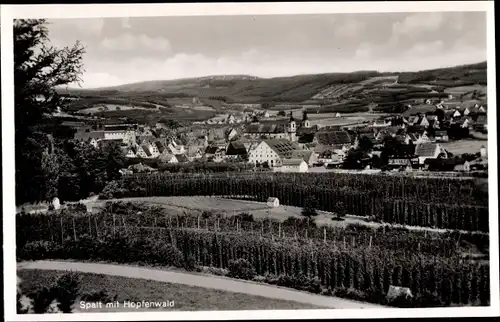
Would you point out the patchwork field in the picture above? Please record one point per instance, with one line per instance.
(186, 298)
(111, 107)
(464, 146)
(482, 89)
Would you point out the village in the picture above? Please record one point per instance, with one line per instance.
(284, 143)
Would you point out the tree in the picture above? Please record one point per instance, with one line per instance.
(281, 113)
(365, 144)
(38, 69)
(310, 206)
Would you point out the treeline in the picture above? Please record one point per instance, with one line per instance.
(461, 75)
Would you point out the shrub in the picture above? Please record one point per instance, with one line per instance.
(66, 291)
(310, 206)
(77, 207)
(244, 216)
(98, 296)
(37, 250)
(190, 263)
(241, 268)
(42, 299)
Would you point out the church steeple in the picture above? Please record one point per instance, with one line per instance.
(304, 116)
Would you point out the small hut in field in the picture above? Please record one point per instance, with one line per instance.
(273, 202)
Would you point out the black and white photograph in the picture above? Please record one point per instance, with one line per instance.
(267, 160)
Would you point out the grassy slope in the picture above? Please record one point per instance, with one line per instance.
(294, 89)
(186, 298)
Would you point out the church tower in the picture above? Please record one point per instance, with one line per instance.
(305, 120)
(292, 128)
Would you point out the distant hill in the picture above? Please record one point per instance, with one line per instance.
(357, 89)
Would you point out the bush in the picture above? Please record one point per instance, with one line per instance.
(241, 268)
(98, 296)
(244, 216)
(38, 250)
(77, 207)
(66, 291)
(190, 263)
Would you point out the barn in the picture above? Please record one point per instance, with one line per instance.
(273, 202)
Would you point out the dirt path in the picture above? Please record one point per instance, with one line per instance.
(205, 281)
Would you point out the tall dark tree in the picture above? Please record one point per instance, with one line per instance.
(38, 69)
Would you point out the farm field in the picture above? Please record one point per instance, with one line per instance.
(464, 146)
(112, 107)
(482, 89)
(178, 206)
(185, 297)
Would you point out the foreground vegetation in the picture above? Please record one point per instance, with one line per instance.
(432, 266)
(447, 203)
(106, 289)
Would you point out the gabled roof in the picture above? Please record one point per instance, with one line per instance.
(334, 138)
(211, 149)
(182, 158)
(266, 128)
(426, 149)
(481, 119)
(282, 147)
(302, 154)
(146, 150)
(292, 162)
(236, 148)
(85, 136)
(160, 146)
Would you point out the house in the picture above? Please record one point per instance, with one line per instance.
(481, 123)
(236, 149)
(231, 134)
(193, 153)
(483, 152)
(341, 140)
(464, 111)
(182, 158)
(168, 158)
(465, 167)
(275, 129)
(308, 156)
(176, 147)
(130, 153)
(441, 136)
(419, 137)
(337, 115)
(396, 162)
(272, 152)
(426, 151)
(292, 165)
(230, 119)
(329, 157)
(147, 151)
(90, 137)
(139, 152)
(464, 122)
(273, 202)
(380, 123)
(456, 113)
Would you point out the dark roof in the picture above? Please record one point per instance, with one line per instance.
(282, 147)
(160, 146)
(236, 148)
(307, 130)
(481, 119)
(441, 133)
(85, 136)
(334, 138)
(146, 150)
(211, 149)
(266, 128)
(117, 127)
(425, 149)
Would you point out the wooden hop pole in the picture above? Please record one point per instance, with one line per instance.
(96, 230)
(74, 229)
(324, 235)
(62, 230)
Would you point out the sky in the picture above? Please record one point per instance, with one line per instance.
(127, 50)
